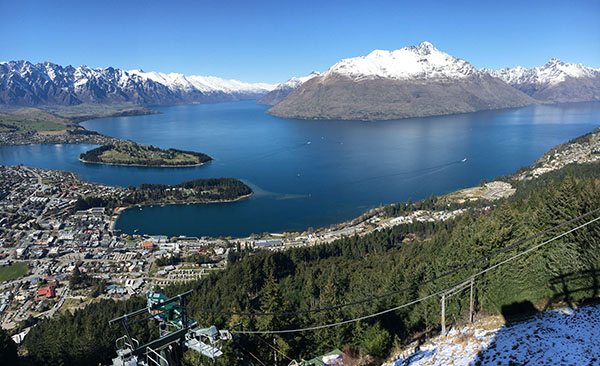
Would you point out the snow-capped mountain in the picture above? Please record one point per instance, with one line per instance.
(409, 63)
(555, 81)
(284, 89)
(206, 84)
(552, 73)
(412, 81)
(24, 83)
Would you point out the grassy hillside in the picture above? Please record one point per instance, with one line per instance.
(31, 119)
(57, 124)
(87, 111)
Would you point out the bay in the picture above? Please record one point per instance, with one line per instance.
(313, 173)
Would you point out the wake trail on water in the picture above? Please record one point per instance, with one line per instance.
(262, 193)
(411, 174)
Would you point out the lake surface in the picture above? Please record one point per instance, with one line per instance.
(313, 173)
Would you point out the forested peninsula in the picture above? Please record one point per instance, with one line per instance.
(196, 191)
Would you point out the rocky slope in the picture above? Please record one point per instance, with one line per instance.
(24, 83)
(556, 81)
(410, 82)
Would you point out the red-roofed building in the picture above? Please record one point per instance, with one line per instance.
(148, 245)
(47, 291)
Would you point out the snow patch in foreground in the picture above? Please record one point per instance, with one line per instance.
(560, 337)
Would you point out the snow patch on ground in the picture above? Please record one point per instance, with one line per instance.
(560, 337)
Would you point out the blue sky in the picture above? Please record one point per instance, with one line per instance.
(272, 40)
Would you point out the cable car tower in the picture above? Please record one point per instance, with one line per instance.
(176, 333)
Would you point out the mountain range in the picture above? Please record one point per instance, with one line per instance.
(413, 81)
(24, 83)
(421, 81)
(556, 81)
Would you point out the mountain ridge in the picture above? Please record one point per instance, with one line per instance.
(284, 89)
(28, 84)
(555, 81)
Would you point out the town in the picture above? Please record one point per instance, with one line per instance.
(58, 257)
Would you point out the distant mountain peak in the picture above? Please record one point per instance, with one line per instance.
(284, 89)
(554, 61)
(426, 47)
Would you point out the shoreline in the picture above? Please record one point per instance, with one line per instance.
(492, 196)
(142, 205)
(144, 166)
(401, 118)
(119, 210)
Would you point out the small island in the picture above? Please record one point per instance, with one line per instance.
(209, 190)
(131, 154)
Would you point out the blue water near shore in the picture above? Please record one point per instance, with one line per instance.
(313, 173)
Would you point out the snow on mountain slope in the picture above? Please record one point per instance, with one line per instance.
(296, 81)
(205, 84)
(24, 83)
(415, 62)
(556, 81)
(552, 73)
(561, 337)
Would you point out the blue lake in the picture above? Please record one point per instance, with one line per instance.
(314, 173)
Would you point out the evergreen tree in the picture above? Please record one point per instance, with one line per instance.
(8, 349)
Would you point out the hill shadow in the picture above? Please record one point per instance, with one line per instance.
(531, 335)
(518, 311)
(558, 337)
(551, 337)
(575, 287)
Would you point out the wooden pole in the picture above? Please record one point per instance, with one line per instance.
(275, 350)
(471, 304)
(443, 314)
